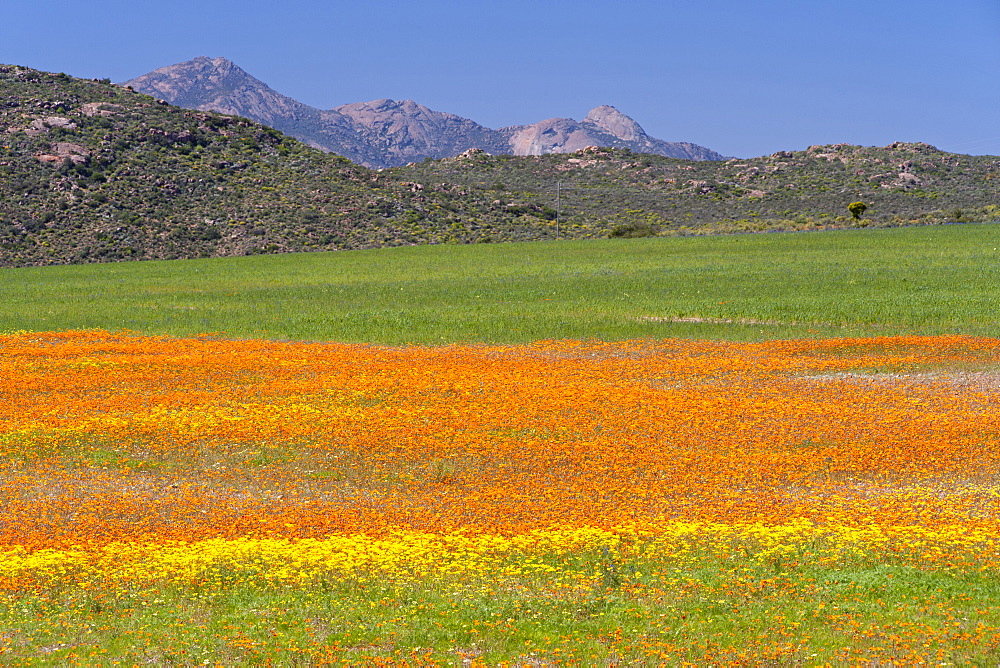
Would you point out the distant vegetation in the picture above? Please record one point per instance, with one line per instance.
(930, 280)
(91, 172)
(618, 193)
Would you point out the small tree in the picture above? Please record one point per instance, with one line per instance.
(856, 209)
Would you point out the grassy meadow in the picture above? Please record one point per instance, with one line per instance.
(775, 449)
(744, 287)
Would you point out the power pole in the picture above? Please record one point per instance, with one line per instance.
(558, 206)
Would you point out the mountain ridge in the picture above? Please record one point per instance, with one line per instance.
(391, 133)
(92, 172)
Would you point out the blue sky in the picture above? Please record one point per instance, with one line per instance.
(743, 78)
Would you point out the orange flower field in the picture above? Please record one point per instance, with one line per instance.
(131, 460)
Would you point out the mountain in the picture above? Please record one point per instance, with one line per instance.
(396, 133)
(387, 133)
(604, 126)
(92, 172)
(216, 84)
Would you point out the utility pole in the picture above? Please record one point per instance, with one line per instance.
(558, 206)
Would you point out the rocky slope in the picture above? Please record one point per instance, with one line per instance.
(621, 193)
(385, 133)
(604, 126)
(398, 132)
(91, 172)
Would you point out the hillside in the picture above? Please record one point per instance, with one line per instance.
(387, 133)
(631, 194)
(91, 172)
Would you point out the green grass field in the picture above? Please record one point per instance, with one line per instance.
(752, 605)
(854, 282)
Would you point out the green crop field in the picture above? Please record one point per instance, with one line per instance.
(841, 283)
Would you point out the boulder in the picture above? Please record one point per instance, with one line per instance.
(60, 151)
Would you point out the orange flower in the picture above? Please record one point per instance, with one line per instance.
(112, 437)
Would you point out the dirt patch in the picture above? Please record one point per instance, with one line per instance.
(987, 381)
(698, 320)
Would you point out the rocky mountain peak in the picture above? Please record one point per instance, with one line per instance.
(615, 123)
(220, 64)
(200, 78)
(386, 132)
(216, 84)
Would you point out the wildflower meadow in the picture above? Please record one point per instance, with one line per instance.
(203, 501)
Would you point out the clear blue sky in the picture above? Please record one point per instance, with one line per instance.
(743, 78)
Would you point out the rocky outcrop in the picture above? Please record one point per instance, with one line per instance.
(615, 123)
(40, 126)
(555, 135)
(62, 151)
(388, 133)
(99, 109)
(602, 126)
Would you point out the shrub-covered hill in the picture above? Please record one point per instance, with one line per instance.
(93, 172)
(633, 194)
